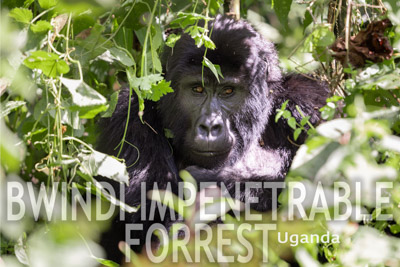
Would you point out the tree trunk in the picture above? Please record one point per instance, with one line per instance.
(232, 8)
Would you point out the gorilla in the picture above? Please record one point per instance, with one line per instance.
(223, 131)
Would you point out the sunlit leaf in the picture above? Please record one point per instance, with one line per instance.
(41, 26)
(172, 39)
(12, 150)
(84, 98)
(122, 56)
(158, 90)
(46, 4)
(112, 105)
(296, 133)
(23, 15)
(282, 9)
(216, 70)
(97, 163)
(49, 63)
(292, 123)
(9, 106)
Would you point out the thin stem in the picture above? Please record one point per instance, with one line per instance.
(67, 49)
(195, 6)
(52, 48)
(127, 121)
(205, 51)
(303, 116)
(347, 29)
(41, 14)
(67, 138)
(143, 66)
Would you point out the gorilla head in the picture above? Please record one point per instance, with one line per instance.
(215, 122)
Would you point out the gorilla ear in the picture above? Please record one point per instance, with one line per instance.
(273, 71)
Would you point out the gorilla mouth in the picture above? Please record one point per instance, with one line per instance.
(210, 153)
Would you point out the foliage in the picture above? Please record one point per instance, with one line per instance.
(62, 63)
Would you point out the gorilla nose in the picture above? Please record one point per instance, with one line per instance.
(210, 128)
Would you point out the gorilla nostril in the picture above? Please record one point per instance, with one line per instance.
(216, 130)
(210, 127)
(203, 130)
(209, 130)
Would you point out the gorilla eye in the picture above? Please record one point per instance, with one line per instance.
(198, 89)
(228, 91)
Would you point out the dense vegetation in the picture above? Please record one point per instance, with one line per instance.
(63, 62)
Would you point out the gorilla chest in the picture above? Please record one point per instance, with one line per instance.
(261, 163)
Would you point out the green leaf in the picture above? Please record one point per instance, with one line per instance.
(154, 61)
(282, 9)
(168, 133)
(388, 81)
(135, 85)
(334, 129)
(157, 37)
(98, 188)
(311, 131)
(9, 106)
(97, 163)
(122, 56)
(23, 15)
(287, 114)
(85, 99)
(12, 150)
(158, 90)
(328, 111)
(146, 82)
(304, 120)
(49, 63)
(46, 4)
(319, 40)
(283, 107)
(208, 42)
(187, 178)
(292, 123)
(27, 3)
(172, 39)
(296, 133)
(112, 105)
(41, 26)
(108, 263)
(216, 69)
(334, 98)
(307, 20)
(90, 112)
(185, 19)
(394, 228)
(278, 115)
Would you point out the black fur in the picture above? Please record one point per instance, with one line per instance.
(243, 53)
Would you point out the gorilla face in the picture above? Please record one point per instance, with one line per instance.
(210, 138)
(213, 121)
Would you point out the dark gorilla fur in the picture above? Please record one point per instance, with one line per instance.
(261, 150)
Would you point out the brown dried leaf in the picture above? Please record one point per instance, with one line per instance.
(84, 34)
(59, 22)
(369, 44)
